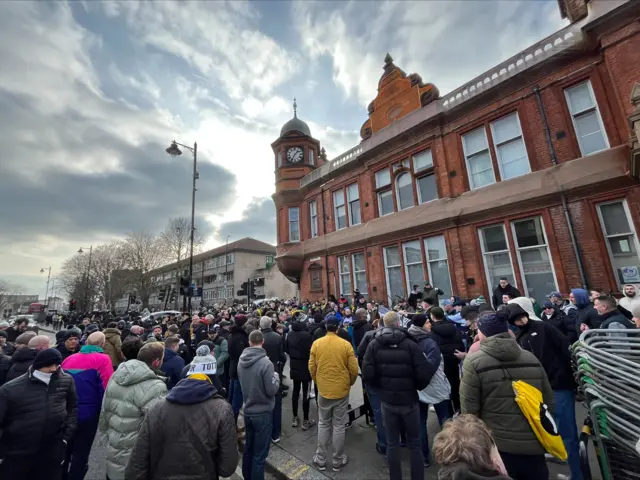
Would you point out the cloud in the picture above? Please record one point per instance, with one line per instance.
(446, 42)
(258, 221)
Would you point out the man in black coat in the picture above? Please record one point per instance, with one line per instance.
(298, 346)
(360, 326)
(504, 288)
(238, 340)
(397, 368)
(38, 413)
(274, 346)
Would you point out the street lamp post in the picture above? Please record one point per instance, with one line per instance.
(86, 282)
(174, 151)
(48, 278)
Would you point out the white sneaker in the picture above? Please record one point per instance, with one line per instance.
(312, 394)
(560, 476)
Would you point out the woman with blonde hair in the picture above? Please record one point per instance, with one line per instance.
(465, 450)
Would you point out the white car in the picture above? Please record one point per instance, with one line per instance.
(158, 315)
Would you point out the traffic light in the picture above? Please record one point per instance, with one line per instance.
(185, 283)
(173, 296)
(162, 294)
(243, 290)
(72, 305)
(252, 289)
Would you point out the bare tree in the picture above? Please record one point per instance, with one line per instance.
(176, 244)
(108, 259)
(77, 281)
(7, 290)
(143, 253)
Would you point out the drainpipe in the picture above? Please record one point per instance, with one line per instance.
(563, 198)
(324, 232)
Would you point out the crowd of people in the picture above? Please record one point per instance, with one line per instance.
(167, 392)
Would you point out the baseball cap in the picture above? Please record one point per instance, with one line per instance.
(554, 294)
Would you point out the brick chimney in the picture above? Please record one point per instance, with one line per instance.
(574, 10)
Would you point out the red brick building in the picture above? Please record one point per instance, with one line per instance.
(529, 171)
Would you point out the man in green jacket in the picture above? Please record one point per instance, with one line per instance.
(132, 391)
(486, 391)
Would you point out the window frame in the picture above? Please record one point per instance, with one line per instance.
(424, 172)
(313, 218)
(482, 127)
(496, 145)
(399, 174)
(428, 261)
(485, 253)
(290, 222)
(312, 160)
(525, 290)
(334, 197)
(606, 236)
(354, 283)
(408, 283)
(342, 274)
(350, 203)
(382, 189)
(312, 273)
(386, 268)
(596, 109)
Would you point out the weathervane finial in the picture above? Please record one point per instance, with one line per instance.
(295, 108)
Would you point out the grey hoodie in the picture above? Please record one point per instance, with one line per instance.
(258, 382)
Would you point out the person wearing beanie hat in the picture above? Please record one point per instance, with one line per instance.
(204, 362)
(165, 448)
(552, 348)
(220, 350)
(486, 391)
(39, 414)
(70, 343)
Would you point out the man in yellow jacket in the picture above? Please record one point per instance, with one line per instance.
(334, 368)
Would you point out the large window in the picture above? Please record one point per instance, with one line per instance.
(622, 241)
(497, 258)
(413, 264)
(587, 121)
(425, 176)
(340, 211)
(385, 195)
(230, 258)
(510, 150)
(345, 275)
(359, 273)
(404, 191)
(534, 259)
(294, 224)
(353, 198)
(509, 147)
(393, 274)
(438, 264)
(313, 218)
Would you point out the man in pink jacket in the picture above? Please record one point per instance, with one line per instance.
(91, 370)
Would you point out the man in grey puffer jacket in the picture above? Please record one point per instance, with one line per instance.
(259, 385)
(132, 391)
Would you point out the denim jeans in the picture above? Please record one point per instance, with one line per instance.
(442, 411)
(256, 448)
(396, 416)
(376, 406)
(277, 417)
(235, 396)
(565, 417)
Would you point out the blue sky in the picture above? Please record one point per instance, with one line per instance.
(92, 92)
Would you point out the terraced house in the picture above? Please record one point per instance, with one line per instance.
(529, 171)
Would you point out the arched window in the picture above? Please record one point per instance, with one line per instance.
(404, 191)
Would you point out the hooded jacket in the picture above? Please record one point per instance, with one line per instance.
(527, 306)
(113, 346)
(258, 381)
(627, 302)
(20, 362)
(486, 392)
(586, 313)
(91, 370)
(360, 328)
(172, 366)
(462, 472)
(191, 434)
(396, 366)
(132, 391)
(238, 341)
(498, 292)
(298, 346)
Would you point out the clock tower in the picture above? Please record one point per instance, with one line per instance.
(296, 153)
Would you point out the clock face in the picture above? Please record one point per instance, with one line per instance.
(295, 154)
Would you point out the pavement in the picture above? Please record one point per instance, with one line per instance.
(291, 458)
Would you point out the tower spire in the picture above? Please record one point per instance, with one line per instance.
(295, 108)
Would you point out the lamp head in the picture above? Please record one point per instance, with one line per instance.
(173, 149)
(80, 250)
(42, 270)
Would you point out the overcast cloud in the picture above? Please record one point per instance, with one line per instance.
(91, 93)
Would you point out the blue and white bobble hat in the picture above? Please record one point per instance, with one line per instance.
(203, 362)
